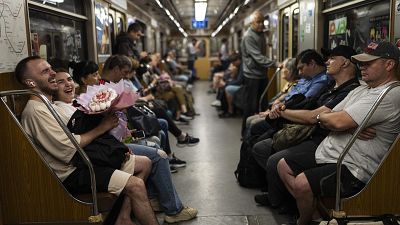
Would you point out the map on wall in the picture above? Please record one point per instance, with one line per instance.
(13, 41)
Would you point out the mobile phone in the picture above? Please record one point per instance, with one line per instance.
(138, 134)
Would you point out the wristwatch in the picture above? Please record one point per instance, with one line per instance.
(318, 117)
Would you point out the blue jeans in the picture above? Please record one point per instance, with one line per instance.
(164, 136)
(159, 184)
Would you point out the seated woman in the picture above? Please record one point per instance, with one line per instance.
(164, 89)
(161, 191)
(139, 78)
(230, 85)
(289, 73)
(86, 73)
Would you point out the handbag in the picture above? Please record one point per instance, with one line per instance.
(291, 134)
(142, 118)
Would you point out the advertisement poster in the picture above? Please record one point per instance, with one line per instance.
(337, 32)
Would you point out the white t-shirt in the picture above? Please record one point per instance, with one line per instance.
(67, 107)
(364, 156)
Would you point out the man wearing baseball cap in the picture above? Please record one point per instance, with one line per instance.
(378, 65)
(344, 74)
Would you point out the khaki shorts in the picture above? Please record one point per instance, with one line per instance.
(120, 177)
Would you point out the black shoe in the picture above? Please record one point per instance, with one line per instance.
(263, 200)
(173, 169)
(226, 115)
(287, 208)
(176, 163)
(188, 140)
(182, 121)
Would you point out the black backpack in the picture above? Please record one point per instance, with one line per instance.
(248, 173)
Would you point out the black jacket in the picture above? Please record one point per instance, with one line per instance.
(104, 150)
(125, 45)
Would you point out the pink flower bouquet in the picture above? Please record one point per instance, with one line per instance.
(106, 97)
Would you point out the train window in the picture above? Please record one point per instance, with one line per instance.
(102, 30)
(57, 37)
(112, 30)
(120, 23)
(202, 52)
(74, 6)
(295, 31)
(358, 26)
(285, 36)
(214, 46)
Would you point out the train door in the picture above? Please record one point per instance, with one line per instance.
(117, 24)
(103, 44)
(289, 29)
(289, 35)
(202, 64)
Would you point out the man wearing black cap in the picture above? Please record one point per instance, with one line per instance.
(378, 69)
(343, 71)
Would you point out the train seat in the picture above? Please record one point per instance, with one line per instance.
(37, 196)
(380, 195)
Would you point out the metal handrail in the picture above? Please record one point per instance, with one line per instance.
(12, 93)
(353, 139)
(267, 87)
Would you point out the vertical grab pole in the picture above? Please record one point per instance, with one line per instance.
(267, 87)
(353, 139)
(96, 216)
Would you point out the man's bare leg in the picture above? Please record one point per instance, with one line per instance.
(301, 191)
(142, 167)
(135, 190)
(124, 216)
(229, 100)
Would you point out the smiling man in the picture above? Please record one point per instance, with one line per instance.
(36, 74)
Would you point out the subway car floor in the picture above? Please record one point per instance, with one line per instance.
(207, 182)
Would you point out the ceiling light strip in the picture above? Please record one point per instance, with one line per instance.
(200, 9)
(172, 18)
(226, 20)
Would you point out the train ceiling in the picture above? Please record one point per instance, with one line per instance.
(183, 12)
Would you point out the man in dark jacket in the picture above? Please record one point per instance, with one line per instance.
(126, 41)
(255, 64)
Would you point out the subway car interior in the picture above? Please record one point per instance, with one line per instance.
(211, 112)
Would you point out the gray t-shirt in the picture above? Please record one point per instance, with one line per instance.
(364, 157)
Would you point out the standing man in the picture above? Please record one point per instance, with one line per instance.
(255, 64)
(126, 42)
(192, 50)
(224, 53)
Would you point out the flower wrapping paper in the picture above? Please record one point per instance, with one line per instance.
(125, 98)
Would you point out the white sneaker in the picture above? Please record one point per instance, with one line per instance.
(216, 103)
(186, 117)
(187, 213)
